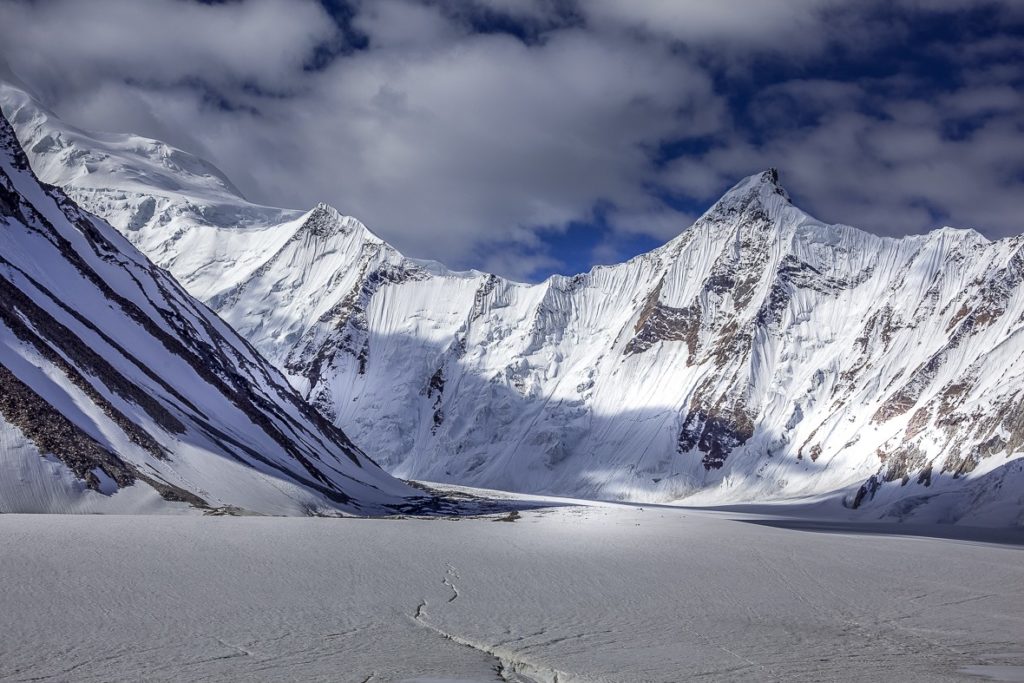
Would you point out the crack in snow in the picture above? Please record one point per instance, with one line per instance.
(448, 582)
(511, 667)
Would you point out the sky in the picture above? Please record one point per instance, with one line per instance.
(528, 137)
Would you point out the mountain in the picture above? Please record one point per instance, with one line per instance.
(119, 392)
(760, 355)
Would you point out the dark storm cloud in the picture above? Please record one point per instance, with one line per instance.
(473, 132)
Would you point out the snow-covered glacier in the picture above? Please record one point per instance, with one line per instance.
(762, 354)
(119, 392)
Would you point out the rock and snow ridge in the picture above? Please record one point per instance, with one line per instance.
(759, 355)
(119, 392)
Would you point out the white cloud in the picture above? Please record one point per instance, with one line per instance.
(68, 44)
(403, 23)
(785, 24)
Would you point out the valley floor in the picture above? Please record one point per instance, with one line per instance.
(581, 592)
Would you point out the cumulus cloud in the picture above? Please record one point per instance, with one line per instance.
(469, 131)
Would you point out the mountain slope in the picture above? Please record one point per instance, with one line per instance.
(759, 355)
(122, 393)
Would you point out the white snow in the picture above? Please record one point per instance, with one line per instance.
(590, 592)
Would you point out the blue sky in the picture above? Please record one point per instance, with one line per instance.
(528, 137)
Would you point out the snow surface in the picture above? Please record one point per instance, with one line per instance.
(585, 592)
(760, 355)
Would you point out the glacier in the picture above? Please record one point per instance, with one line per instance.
(573, 593)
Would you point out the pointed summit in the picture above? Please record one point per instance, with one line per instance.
(325, 221)
(771, 177)
(765, 183)
(760, 191)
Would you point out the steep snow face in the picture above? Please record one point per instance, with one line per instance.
(761, 354)
(120, 392)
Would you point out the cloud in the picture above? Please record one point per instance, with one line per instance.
(488, 137)
(470, 132)
(400, 23)
(69, 45)
(955, 160)
(734, 24)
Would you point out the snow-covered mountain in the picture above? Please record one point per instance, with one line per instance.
(761, 354)
(120, 392)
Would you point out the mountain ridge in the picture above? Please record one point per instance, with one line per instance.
(123, 394)
(760, 354)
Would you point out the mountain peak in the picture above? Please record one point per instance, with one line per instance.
(325, 221)
(760, 191)
(773, 343)
(765, 183)
(770, 178)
